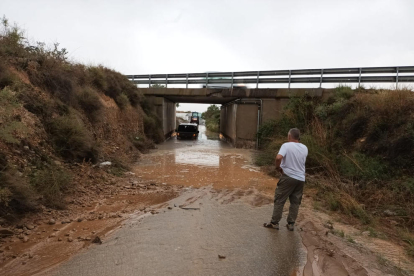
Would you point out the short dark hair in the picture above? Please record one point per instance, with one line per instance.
(294, 133)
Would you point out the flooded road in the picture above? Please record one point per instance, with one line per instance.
(213, 228)
(203, 162)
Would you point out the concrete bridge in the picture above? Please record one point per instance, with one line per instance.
(242, 110)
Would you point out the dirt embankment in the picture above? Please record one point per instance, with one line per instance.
(67, 133)
(95, 208)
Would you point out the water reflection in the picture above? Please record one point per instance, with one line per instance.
(197, 158)
(201, 168)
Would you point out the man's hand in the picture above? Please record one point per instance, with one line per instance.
(280, 170)
(278, 162)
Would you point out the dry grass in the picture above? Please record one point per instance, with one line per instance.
(361, 145)
(90, 102)
(51, 182)
(65, 103)
(71, 139)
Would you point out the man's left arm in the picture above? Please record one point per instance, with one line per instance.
(279, 158)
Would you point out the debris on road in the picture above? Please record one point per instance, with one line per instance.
(221, 256)
(4, 232)
(188, 208)
(97, 240)
(106, 163)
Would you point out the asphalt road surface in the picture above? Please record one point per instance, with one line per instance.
(210, 223)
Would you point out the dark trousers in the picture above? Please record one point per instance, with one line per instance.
(291, 188)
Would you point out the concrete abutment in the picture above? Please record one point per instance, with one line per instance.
(242, 111)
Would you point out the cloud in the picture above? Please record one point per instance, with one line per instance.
(199, 36)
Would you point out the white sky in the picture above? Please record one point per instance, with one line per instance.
(160, 36)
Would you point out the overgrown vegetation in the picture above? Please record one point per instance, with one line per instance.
(212, 118)
(74, 85)
(51, 182)
(67, 99)
(71, 139)
(361, 148)
(142, 143)
(89, 101)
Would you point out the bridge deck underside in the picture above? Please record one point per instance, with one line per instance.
(200, 99)
(222, 96)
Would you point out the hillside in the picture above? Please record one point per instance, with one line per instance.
(361, 156)
(56, 117)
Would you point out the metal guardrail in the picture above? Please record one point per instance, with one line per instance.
(354, 75)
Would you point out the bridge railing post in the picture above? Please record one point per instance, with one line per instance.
(149, 83)
(396, 79)
(290, 73)
(232, 78)
(206, 80)
(257, 79)
(186, 81)
(359, 79)
(320, 83)
(166, 80)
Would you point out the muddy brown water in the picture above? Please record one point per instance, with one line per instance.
(203, 162)
(223, 204)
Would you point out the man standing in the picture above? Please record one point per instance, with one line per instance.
(290, 162)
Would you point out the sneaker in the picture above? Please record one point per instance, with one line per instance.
(271, 225)
(290, 226)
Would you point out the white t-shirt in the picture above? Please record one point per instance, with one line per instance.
(294, 158)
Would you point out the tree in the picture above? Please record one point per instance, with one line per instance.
(212, 117)
(211, 111)
(157, 85)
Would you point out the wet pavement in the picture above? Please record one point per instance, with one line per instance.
(222, 208)
(202, 162)
(189, 242)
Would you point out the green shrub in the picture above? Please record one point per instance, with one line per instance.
(267, 131)
(122, 101)
(267, 156)
(98, 77)
(12, 40)
(16, 196)
(71, 139)
(321, 111)
(343, 92)
(56, 79)
(146, 106)
(212, 118)
(10, 125)
(336, 200)
(113, 84)
(51, 182)
(7, 131)
(5, 196)
(118, 168)
(358, 166)
(339, 233)
(90, 102)
(153, 128)
(6, 77)
(142, 143)
(333, 203)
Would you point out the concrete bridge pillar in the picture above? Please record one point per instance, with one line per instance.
(241, 119)
(165, 110)
(239, 123)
